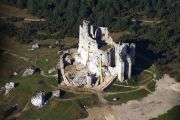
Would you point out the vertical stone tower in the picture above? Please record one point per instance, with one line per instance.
(117, 59)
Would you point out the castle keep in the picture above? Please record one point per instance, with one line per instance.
(98, 59)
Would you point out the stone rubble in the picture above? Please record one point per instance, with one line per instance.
(79, 80)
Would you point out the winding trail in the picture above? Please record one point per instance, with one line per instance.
(147, 21)
(9, 52)
(144, 86)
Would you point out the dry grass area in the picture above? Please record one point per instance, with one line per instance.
(13, 11)
(69, 42)
(117, 35)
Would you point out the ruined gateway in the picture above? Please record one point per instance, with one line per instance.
(98, 59)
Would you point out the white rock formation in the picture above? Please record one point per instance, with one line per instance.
(38, 100)
(9, 86)
(15, 73)
(28, 71)
(34, 46)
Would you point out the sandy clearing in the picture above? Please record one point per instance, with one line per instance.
(165, 97)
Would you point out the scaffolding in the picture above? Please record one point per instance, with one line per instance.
(88, 55)
(100, 68)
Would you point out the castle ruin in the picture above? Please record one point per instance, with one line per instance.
(98, 59)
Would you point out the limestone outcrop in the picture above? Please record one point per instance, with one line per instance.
(38, 100)
(8, 87)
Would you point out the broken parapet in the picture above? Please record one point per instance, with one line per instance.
(38, 100)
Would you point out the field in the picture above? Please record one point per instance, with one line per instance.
(69, 106)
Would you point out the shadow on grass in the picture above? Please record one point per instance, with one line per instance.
(144, 58)
(10, 111)
(47, 96)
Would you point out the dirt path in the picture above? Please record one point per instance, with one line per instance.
(23, 110)
(9, 52)
(163, 99)
(137, 87)
(105, 112)
(34, 19)
(18, 56)
(147, 21)
(14, 11)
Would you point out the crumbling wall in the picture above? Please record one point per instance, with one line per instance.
(132, 53)
(101, 55)
(119, 52)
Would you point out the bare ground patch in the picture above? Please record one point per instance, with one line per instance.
(163, 99)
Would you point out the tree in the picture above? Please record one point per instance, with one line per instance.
(21, 3)
(31, 6)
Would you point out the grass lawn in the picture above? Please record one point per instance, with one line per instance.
(152, 86)
(125, 97)
(173, 114)
(69, 107)
(55, 110)
(140, 79)
(10, 64)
